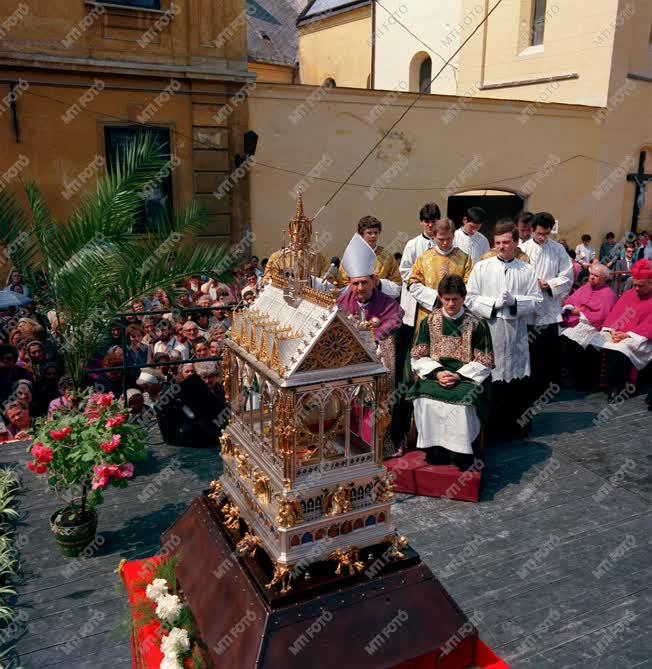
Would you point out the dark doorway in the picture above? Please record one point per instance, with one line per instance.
(498, 205)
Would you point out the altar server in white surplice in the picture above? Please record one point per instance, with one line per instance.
(415, 247)
(468, 238)
(504, 291)
(554, 270)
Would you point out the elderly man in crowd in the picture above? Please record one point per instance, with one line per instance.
(627, 331)
(584, 313)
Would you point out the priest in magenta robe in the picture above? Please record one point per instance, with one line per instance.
(584, 313)
(591, 303)
(627, 331)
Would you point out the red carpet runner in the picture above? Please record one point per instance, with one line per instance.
(146, 639)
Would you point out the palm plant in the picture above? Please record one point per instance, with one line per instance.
(88, 268)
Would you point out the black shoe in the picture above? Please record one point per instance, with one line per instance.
(390, 450)
(462, 461)
(437, 456)
(398, 452)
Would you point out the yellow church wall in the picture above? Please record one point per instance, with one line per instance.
(339, 48)
(398, 50)
(626, 120)
(553, 160)
(574, 59)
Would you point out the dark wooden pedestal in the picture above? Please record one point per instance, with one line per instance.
(392, 612)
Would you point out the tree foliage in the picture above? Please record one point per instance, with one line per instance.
(87, 268)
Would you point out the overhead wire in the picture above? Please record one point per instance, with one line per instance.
(200, 141)
(347, 181)
(407, 110)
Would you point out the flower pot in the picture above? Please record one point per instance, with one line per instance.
(73, 538)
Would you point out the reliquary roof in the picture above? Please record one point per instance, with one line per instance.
(297, 339)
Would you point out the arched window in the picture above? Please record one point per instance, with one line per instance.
(425, 75)
(420, 72)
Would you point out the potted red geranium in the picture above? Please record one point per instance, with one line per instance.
(83, 452)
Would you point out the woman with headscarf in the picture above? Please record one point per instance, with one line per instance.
(23, 391)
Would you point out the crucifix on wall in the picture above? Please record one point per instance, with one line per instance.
(641, 180)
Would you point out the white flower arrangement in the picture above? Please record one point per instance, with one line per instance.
(170, 662)
(177, 641)
(168, 608)
(156, 589)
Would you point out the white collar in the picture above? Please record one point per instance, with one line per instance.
(459, 314)
(505, 262)
(441, 251)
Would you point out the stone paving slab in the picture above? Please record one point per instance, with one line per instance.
(539, 605)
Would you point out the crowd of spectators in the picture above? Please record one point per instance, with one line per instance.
(617, 257)
(138, 358)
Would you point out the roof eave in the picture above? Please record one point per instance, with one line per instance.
(303, 18)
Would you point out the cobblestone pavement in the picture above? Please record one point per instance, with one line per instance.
(553, 564)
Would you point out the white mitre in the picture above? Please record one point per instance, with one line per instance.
(359, 259)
